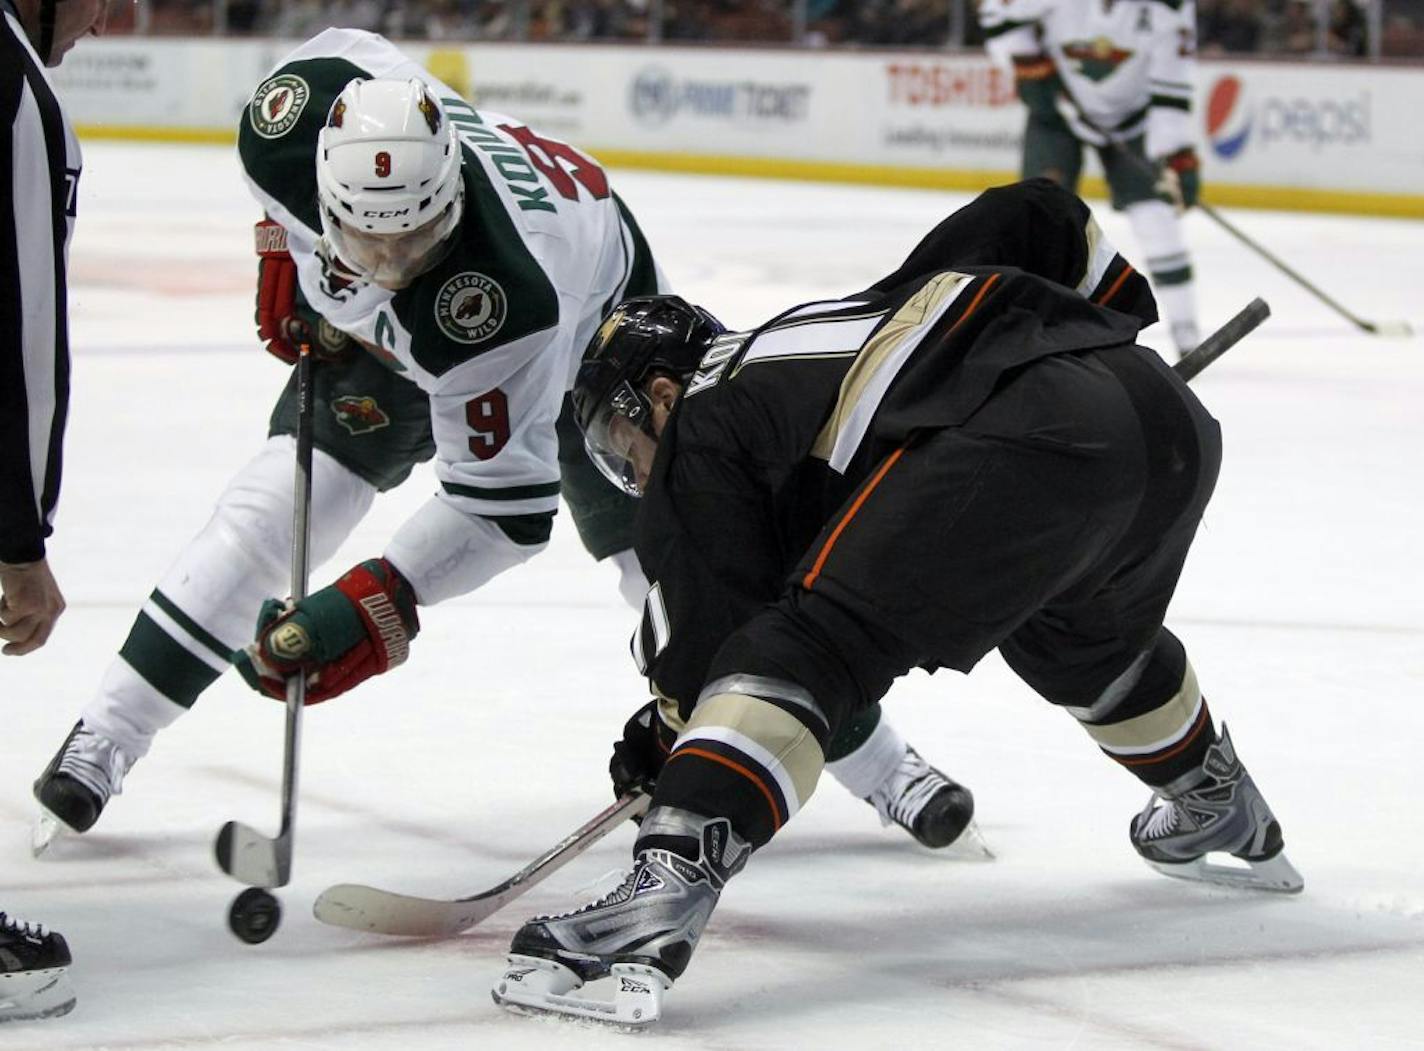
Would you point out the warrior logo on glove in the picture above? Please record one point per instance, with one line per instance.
(337, 637)
(289, 641)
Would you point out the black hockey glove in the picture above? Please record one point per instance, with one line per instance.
(639, 756)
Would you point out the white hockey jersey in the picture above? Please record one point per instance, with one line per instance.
(494, 331)
(1127, 64)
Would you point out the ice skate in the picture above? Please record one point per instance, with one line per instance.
(33, 982)
(932, 807)
(1223, 812)
(74, 788)
(641, 935)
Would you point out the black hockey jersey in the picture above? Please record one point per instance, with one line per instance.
(780, 425)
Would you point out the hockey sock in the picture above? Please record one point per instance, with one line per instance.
(1158, 726)
(865, 769)
(206, 605)
(854, 731)
(1159, 234)
(742, 757)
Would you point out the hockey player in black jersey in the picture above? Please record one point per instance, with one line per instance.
(957, 460)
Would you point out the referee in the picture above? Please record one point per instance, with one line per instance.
(39, 169)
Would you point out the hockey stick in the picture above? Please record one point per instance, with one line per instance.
(242, 852)
(1391, 329)
(364, 908)
(1223, 339)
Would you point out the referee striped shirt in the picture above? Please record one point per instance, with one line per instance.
(39, 180)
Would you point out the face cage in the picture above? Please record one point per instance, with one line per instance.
(393, 261)
(610, 454)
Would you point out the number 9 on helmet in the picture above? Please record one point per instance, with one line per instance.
(388, 176)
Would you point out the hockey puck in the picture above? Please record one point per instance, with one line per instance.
(254, 915)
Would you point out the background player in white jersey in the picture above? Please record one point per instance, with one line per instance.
(448, 264)
(1115, 75)
(40, 170)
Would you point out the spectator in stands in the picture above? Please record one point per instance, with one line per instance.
(1295, 32)
(1228, 26)
(1347, 34)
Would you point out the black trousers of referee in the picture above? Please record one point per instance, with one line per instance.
(1053, 525)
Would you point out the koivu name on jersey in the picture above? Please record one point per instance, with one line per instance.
(724, 348)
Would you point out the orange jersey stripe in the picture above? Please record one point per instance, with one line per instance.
(815, 571)
(739, 768)
(1126, 273)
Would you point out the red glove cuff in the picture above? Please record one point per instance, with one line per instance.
(1184, 160)
(276, 290)
(1033, 67)
(386, 605)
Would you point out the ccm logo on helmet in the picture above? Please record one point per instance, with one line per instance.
(393, 213)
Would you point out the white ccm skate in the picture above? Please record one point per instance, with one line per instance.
(641, 935)
(1219, 810)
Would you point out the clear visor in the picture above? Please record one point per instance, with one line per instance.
(392, 261)
(620, 440)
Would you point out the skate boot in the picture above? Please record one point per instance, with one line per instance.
(932, 807)
(641, 934)
(1219, 811)
(33, 983)
(84, 773)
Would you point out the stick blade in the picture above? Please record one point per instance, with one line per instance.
(252, 858)
(1390, 329)
(361, 908)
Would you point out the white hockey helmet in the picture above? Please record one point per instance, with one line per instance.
(388, 180)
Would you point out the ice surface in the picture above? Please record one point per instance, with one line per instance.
(1303, 608)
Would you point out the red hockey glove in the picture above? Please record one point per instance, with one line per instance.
(338, 637)
(284, 320)
(639, 756)
(1037, 84)
(1179, 178)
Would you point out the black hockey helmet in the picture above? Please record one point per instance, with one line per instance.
(642, 337)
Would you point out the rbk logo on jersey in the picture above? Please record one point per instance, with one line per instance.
(277, 104)
(359, 413)
(1096, 59)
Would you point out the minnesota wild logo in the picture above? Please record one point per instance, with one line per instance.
(359, 413)
(277, 104)
(1097, 59)
(470, 307)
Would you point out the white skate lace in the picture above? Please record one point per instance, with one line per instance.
(618, 894)
(904, 794)
(10, 925)
(95, 762)
(1161, 820)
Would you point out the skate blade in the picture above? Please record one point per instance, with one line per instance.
(1276, 874)
(46, 829)
(534, 986)
(33, 995)
(970, 845)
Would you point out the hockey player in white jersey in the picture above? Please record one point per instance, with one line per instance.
(1115, 75)
(449, 265)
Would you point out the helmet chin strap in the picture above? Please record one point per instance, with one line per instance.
(47, 15)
